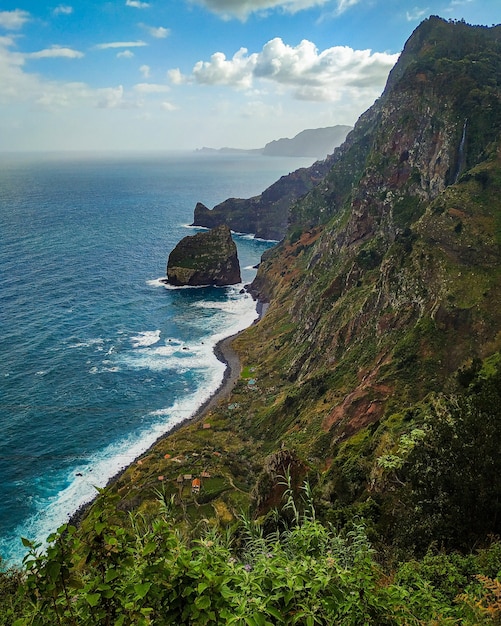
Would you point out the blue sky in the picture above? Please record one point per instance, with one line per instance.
(182, 74)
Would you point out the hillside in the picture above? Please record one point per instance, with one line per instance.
(385, 285)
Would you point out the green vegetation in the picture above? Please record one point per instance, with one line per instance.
(137, 570)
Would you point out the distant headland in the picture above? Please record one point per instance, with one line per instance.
(316, 143)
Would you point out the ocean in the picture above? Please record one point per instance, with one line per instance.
(98, 357)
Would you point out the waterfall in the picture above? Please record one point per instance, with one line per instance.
(461, 155)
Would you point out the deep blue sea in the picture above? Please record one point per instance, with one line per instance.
(98, 358)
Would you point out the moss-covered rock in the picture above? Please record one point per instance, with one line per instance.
(208, 258)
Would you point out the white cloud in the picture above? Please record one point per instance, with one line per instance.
(120, 44)
(416, 14)
(21, 87)
(158, 32)
(176, 77)
(115, 98)
(168, 106)
(237, 71)
(137, 4)
(312, 75)
(56, 52)
(145, 71)
(150, 88)
(125, 54)
(111, 97)
(13, 20)
(241, 9)
(59, 96)
(63, 9)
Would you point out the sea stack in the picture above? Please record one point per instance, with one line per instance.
(207, 258)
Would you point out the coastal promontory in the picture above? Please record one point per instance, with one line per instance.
(207, 258)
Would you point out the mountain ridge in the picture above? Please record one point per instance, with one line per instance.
(311, 142)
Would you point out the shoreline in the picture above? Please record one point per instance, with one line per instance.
(225, 353)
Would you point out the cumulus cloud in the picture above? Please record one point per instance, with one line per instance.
(125, 54)
(120, 44)
(159, 32)
(312, 75)
(237, 71)
(13, 20)
(176, 77)
(63, 9)
(137, 4)
(241, 9)
(56, 52)
(145, 71)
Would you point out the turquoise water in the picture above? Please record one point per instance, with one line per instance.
(98, 357)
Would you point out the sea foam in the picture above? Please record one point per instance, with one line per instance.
(96, 470)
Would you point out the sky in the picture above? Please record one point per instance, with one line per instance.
(141, 75)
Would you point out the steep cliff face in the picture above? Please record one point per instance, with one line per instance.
(208, 258)
(385, 282)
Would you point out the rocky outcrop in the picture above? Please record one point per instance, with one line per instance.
(207, 258)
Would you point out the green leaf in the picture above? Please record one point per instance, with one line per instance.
(110, 540)
(202, 587)
(53, 569)
(275, 613)
(93, 598)
(26, 542)
(141, 589)
(150, 547)
(202, 602)
(110, 575)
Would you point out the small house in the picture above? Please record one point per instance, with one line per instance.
(195, 485)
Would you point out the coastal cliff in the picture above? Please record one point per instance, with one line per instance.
(382, 293)
(207, 258)
(383, 288)
(267, 215)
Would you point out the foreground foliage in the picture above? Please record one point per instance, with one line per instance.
(138, 571)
